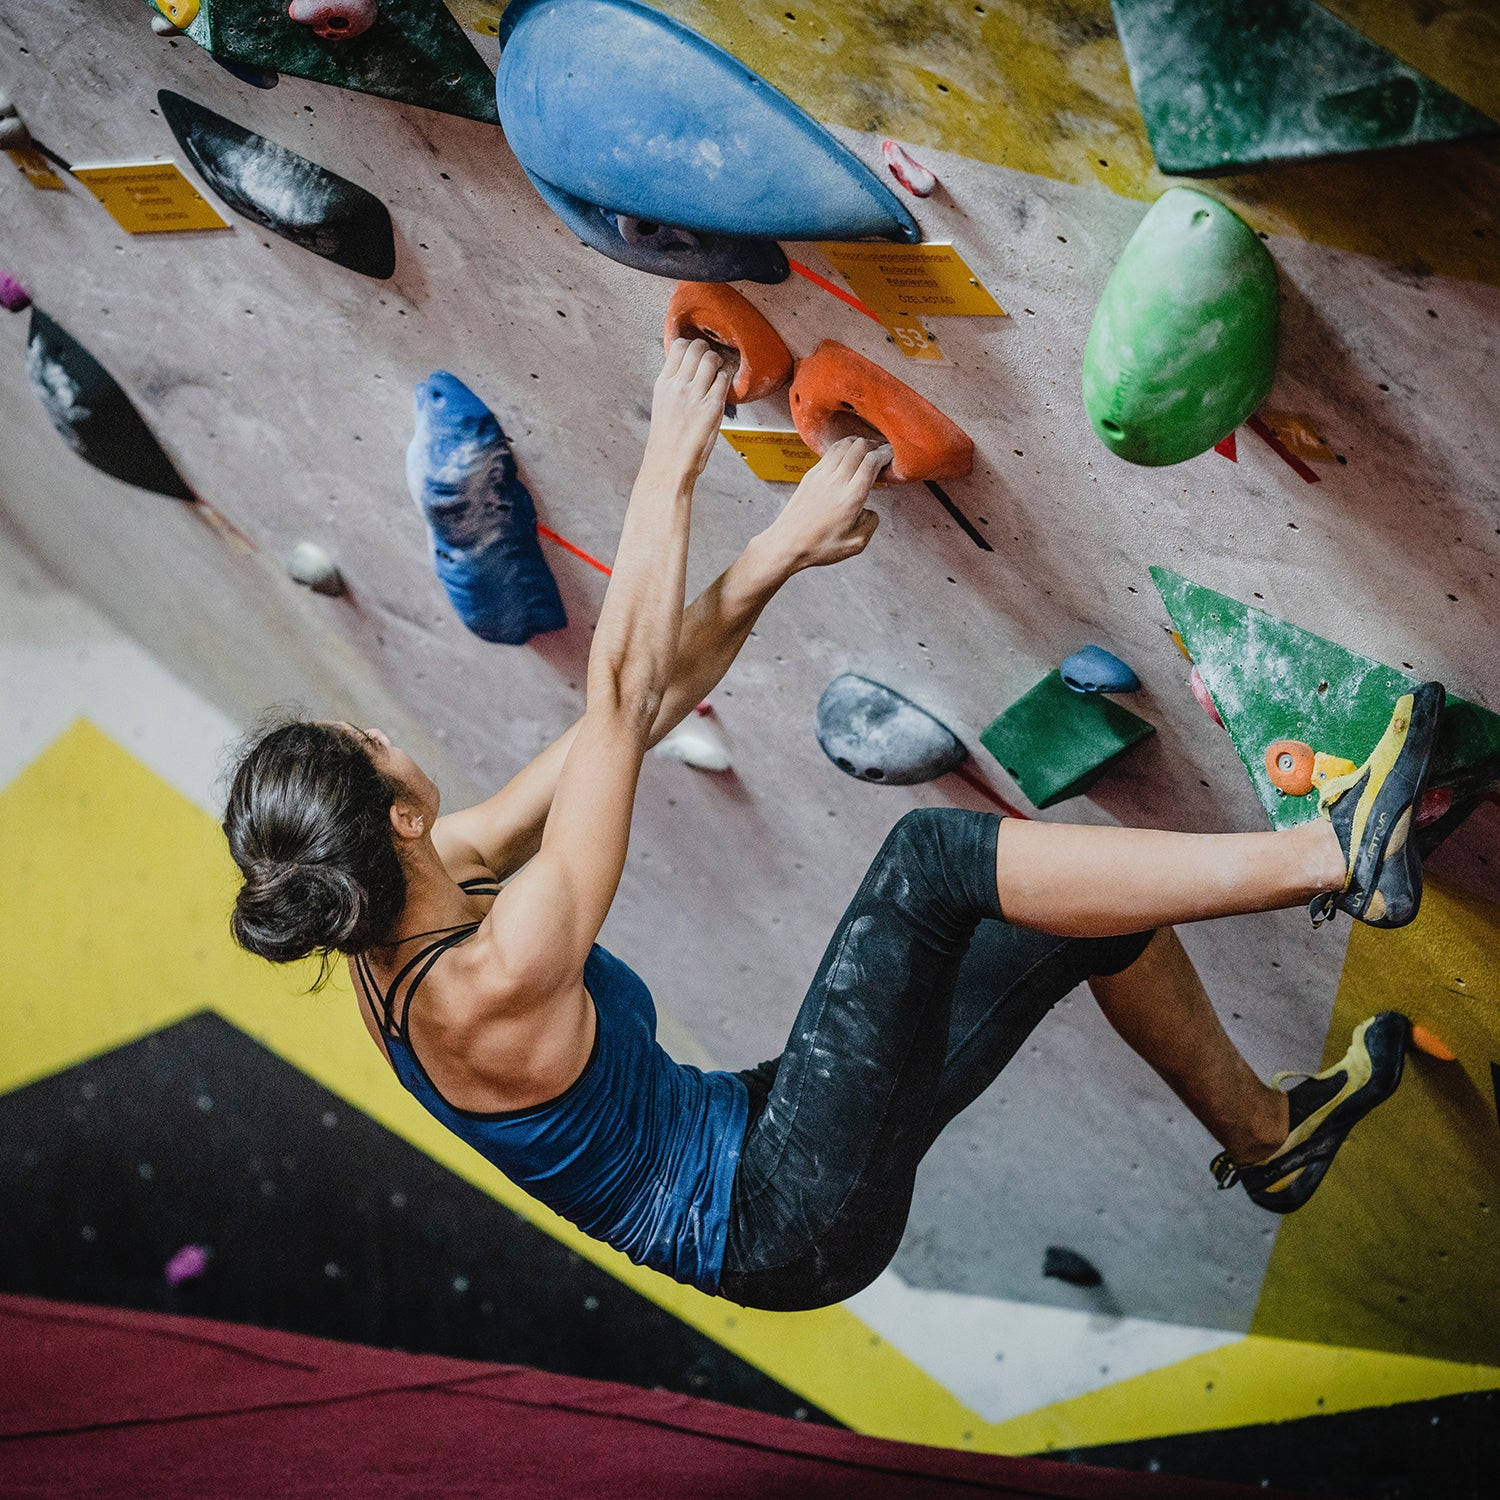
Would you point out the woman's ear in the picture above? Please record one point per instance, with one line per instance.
(407, 819)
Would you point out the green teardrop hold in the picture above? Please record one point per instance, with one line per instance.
(1183, 343)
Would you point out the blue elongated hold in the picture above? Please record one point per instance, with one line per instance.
(871, 732)
(93, 415)
(463, 477)
(663, 249)
(623, 107)
(282, 191)
(1095, 670)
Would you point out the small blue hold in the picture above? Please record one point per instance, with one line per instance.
(1095, 670)
(462, 475)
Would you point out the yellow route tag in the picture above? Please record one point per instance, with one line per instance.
(934, 280)
(482, 16)
(38, 171)
(149, 197)
(779, 457)
(914, 341)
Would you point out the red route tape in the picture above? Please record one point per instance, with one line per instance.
(837, 291)
(568, 546)
(1264, 433)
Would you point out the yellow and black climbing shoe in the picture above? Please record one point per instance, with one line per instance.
(1322, 1110)
(1372, 810)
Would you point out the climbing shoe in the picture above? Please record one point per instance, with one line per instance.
(1372, 810)
(1322, 1110)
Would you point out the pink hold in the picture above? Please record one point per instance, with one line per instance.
(13, 296)
(1204, 697)
(334, 20)
(190, 1261)
(1436, 801)
(907, 170)
(704, 709)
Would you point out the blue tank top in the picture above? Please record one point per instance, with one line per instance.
(639, 1152)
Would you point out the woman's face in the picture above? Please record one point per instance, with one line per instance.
(390, 760)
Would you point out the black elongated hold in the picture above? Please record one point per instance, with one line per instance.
(871, 732)
(282, 191)
(93, 415)
(1067, 1265)
(663, 249)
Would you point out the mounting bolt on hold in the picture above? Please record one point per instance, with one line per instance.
(334, 20)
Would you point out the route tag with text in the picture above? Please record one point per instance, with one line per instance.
(776, 456)
(149, 197)
(932, 280)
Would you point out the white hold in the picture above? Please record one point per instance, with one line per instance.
(311, 566)
(907, 170)
(162, 25)
(697, 741)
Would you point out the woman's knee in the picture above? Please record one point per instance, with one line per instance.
(944, 854)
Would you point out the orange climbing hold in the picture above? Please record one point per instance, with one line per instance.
(714, 311)
(1289, 764)
(837, 393)
(1433, 1045)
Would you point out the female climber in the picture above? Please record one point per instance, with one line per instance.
(471, 937)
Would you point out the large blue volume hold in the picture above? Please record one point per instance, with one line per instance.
(627, 109)
(462, 475)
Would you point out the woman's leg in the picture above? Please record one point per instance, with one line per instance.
(1161, 1010)
(1078, 881)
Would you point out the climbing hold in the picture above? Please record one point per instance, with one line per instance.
(1057, 743)
(697, 741)
(1204, 697)
(13, 296)
(1433, 1045)
(1183, 343)
(334, 20)
(907, 170)
(283, 192)
(162, 26)
(189, 1262)
(14, 136)
(1289, 764)
(1326, 767)
(1437, 802)
(1095, 670)
(92, 414)
(1178, 642)
(628, 110)
(482, 522)
(311, 566)
(413, 50)
(871, 732)
(837, 393)
(1067, 1265)
(1244, 82)
(663, 249)
(1273, 680)
(761, 362)
(180, 14)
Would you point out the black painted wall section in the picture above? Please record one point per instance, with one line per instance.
(318, 1220)
(1447, 1449)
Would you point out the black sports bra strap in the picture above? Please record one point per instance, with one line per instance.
(488, 880)
(431, 953)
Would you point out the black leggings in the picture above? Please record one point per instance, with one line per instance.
(905, 1025)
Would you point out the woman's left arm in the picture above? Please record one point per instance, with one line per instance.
(824, 522)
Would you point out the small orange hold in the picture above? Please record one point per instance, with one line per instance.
(838, 393)
(1433, 1045)
(1289, 764)
(714, 311)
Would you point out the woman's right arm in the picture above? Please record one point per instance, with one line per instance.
(544, 923)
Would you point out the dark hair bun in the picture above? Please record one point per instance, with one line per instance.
(308, 823)
(286, 911)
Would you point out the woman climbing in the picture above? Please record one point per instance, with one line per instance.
(471, 937)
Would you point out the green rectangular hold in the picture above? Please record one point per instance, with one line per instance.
(1057, 743)
(1273, 681)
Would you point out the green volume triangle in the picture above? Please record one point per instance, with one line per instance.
(1245, 81)
(1273, 681)
(415, 53)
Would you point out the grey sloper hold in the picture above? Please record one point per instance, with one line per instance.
(93, 415)
(871, 732)
(282, 191)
